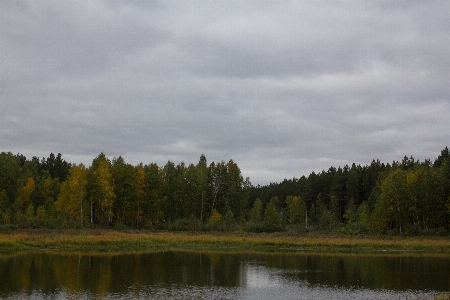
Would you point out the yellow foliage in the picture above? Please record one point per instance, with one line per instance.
(28, 189)
(411, 177)
(73, 193)
(215, 216)
(106, 189)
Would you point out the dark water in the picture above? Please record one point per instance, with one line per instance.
(221, 275)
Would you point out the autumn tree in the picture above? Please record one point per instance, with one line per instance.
(406, 197)
(101, 190)
(106, 191)
(72, 197)
(23, 206)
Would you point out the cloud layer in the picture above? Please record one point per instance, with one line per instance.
(281, 87)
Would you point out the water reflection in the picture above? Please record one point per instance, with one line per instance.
(197, 275)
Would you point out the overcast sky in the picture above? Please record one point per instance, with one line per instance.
(283, 88)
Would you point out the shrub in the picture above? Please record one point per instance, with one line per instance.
(191, 224)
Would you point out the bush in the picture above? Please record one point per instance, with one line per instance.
(8, 226)
(190, 224)
(260, 227)
(121, 226)
(353, 228)
(215, 226)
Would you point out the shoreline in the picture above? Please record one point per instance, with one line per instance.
(109, 239)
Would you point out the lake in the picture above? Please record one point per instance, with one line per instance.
(197, 274)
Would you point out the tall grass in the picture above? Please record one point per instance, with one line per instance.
(113, 239)
(445, 296)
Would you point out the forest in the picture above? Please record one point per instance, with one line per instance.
(406, 197)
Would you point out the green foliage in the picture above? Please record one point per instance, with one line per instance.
(191, 224)
(357, 219)
(272, 217)
(296, 211)
(363, 218)
(312, 214)
(229, 220)
(10, 174)
(126, 189)
(41, 214)
(256, 211)
(140, 195)
(56, 166)
(328, 221)
(407, 197)
(350, 212)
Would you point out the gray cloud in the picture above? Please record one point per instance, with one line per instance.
(282, 88)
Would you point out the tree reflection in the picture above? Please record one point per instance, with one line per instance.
(119, 273)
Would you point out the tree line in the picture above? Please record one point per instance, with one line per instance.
(54, 193)
(406, 197)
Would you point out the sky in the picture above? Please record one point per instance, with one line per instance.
(283, 88)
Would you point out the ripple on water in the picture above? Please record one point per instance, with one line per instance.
(277, 291)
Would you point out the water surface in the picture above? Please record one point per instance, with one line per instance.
(221, 275)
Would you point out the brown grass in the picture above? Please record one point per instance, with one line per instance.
(444, 296)
(112, 239)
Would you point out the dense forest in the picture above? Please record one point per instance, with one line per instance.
(404, 197)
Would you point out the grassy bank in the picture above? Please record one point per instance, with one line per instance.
(112, 239)
(444, 296)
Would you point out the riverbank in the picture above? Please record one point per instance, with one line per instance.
(140, 239)
(444, 296)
